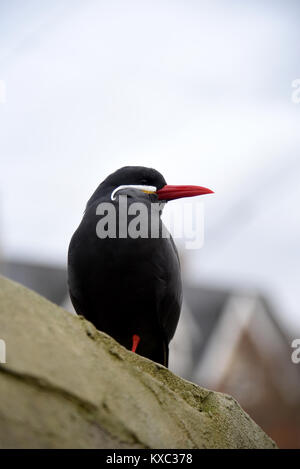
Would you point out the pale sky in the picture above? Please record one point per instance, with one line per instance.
(200, 90)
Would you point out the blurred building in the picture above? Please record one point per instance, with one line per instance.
(243, 351)
(48, 281)
(228, 341)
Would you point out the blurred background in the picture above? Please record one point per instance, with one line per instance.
(201, 91)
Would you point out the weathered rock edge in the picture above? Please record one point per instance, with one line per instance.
(67, 385)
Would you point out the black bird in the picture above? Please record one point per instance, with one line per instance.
(129, 287)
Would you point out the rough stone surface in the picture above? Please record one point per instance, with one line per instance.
(66, 385)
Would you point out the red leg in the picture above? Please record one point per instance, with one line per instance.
(135, 342)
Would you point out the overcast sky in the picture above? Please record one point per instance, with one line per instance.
(200, 90)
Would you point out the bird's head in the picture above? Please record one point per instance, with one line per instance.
(146, 180)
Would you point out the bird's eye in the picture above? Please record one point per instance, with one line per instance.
(144, 182)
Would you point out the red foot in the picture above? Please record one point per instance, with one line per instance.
(135, 342)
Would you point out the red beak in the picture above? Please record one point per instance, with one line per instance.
(177, 192)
